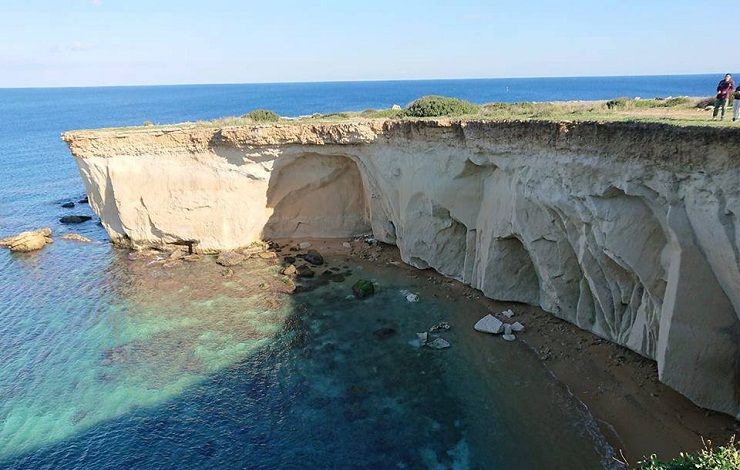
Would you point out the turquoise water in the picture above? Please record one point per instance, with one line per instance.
(111, 363)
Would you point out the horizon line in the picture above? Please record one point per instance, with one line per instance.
(379, 80)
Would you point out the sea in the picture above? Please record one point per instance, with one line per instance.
(110, 362)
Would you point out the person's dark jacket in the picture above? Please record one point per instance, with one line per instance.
(724, 88)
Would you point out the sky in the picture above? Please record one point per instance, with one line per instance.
(145, 42)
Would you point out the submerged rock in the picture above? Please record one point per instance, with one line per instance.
(305, 271)
(68, 205)
(489, 324)
(314, 257)
(76, 237)
(230, 258)
(438, 343)
(363, 288)
(422, 338)
(28, 241)
(384, 333)
(74, 219)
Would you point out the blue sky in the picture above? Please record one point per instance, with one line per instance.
(131, 42)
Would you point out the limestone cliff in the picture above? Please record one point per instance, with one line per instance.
(630, 231)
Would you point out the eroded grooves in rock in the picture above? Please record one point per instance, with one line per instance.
(627, 230)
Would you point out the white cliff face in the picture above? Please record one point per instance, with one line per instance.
(629, 231)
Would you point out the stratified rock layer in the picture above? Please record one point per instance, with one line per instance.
(630, 231)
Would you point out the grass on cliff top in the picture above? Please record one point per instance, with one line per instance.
(679, 111)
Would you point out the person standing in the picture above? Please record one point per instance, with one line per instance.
(736, 105)
(725, 87)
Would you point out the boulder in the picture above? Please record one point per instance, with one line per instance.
(289, 270)
(363, 288)
(267, 255)
(84, 200)
(508, 335)
(489, 324)
(314, 258)
(346, 245)
(304, 271)
(68, 205)
(304, 245)
(230, 258)
(517, 327)
(74, 219)
(28, 241)
(507, 313)
(76, 237)
(438, 343)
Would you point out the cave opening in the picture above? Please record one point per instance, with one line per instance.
(316, 196)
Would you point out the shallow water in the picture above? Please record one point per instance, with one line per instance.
(186, 367)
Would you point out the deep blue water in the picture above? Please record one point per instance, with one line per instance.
(108, 363)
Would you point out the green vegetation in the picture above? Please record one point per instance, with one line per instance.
(262, 115)
(679, 111)
(437, 106)
(718, 458)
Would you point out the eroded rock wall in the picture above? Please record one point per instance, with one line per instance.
(628, 231)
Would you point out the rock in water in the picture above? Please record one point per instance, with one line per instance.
(76, 237)
(74, 219)
(422, 338)
(230, 258)
(438, 343)
(508, 335)
(489, 324)
(28, 241)
(384, 333)
(314, 258)
(441, 326)
(68, 205)
(412, 298)
(363, 288)
(84, 200)
(517, 327)
(305, 271)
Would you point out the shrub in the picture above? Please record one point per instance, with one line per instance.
(262, 115)
(719, 458)
(435, 106)
(617, 103)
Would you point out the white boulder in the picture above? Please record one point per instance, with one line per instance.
(489, 324)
